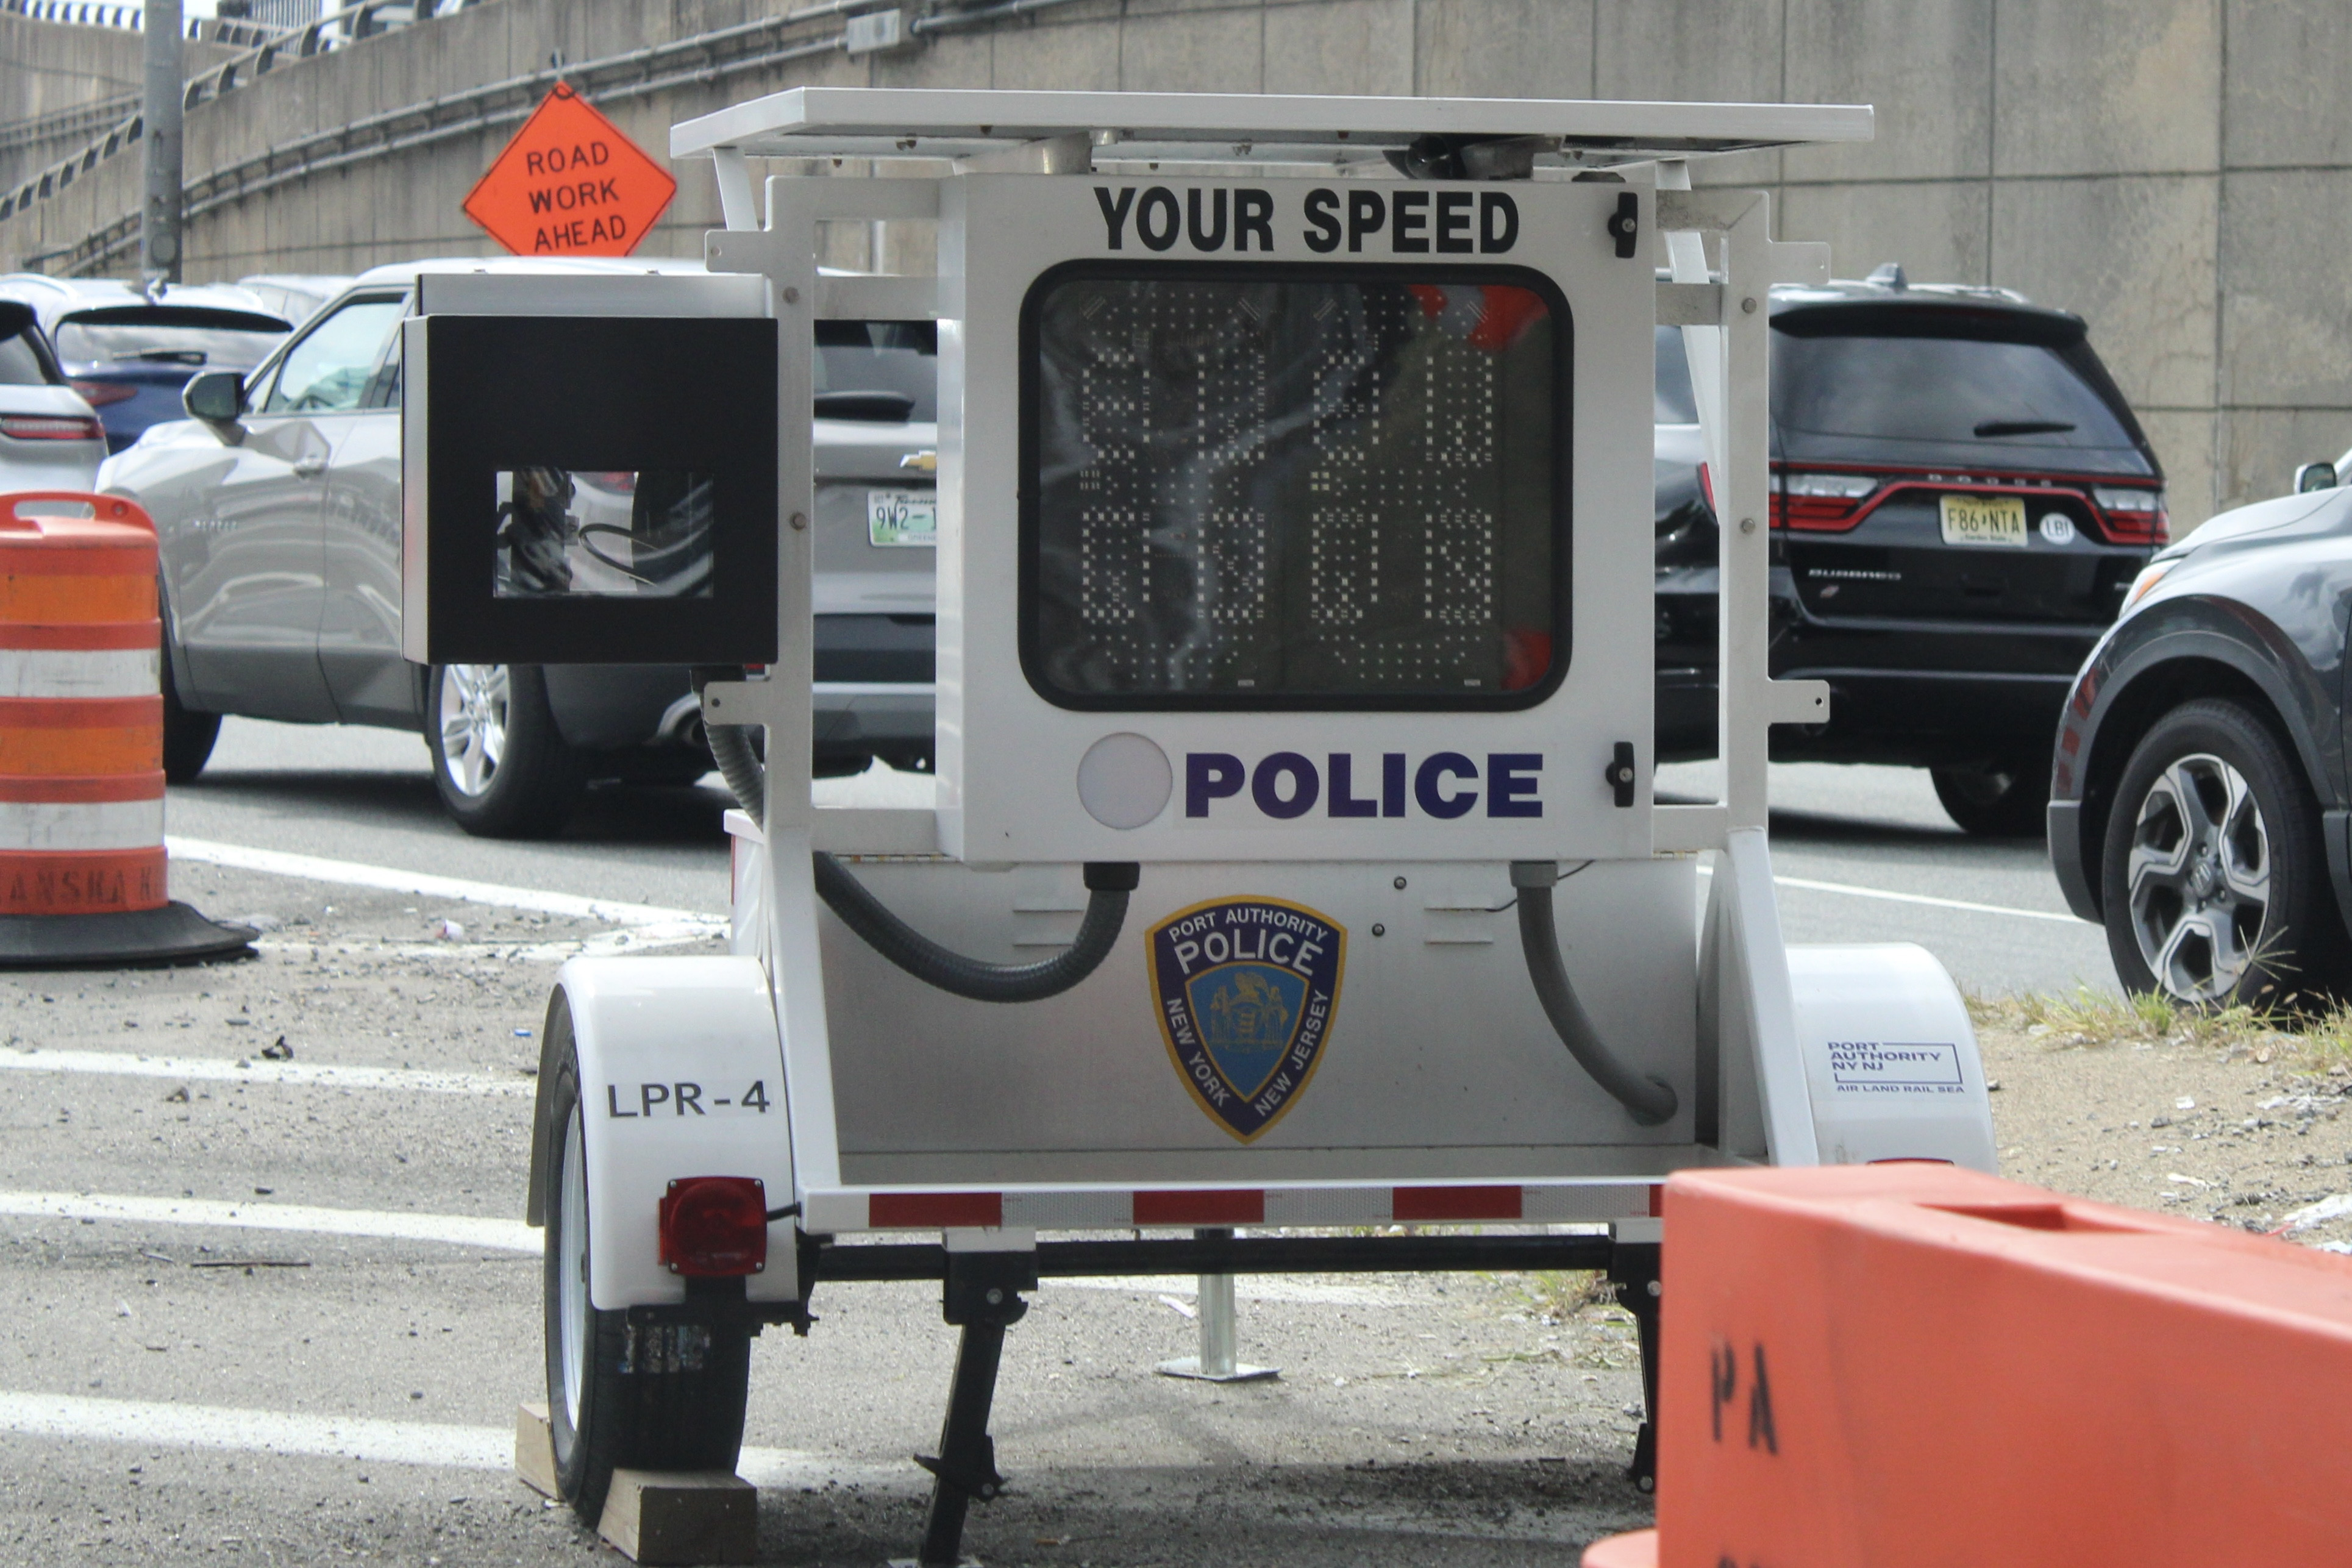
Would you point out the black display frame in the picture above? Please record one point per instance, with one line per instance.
(598, 393)
(1029, 538)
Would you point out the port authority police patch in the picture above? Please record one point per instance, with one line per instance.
(1246, 989)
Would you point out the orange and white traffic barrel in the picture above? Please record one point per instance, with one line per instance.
(83, 874)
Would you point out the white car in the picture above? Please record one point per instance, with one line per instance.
(277, 504)
(49, 438)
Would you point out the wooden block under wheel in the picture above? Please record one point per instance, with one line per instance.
(535, 1450)
(671, 1519)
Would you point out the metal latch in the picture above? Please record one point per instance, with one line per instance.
(1625, 224)
(1620, 772)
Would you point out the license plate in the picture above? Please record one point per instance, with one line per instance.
(912, 518)
(1998, 520)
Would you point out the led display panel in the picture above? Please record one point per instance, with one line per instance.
(1294, 487)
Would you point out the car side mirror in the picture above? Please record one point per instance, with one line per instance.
(2314, 477)
(215, 397)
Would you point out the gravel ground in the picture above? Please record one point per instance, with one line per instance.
(2245, 1129)
(1471, 1421)
(1468, 1421)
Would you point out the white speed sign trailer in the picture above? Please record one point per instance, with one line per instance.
(1295, 862)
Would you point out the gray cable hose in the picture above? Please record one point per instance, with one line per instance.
(1108, 885)
(1650, 1099)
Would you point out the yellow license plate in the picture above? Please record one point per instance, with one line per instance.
(1985, 519)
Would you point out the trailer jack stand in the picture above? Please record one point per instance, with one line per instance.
(1633, 1270)
(983, 1297)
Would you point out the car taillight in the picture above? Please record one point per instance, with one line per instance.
(2133, 516)
(99, 394)
(1821, 502)
(1707, 487)
(51, 427)
(714, 1227)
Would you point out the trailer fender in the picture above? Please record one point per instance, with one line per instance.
(681, 1074)
(1891, 1061)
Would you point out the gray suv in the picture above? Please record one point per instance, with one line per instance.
(278, 507)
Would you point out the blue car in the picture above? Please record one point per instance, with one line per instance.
(128, 352)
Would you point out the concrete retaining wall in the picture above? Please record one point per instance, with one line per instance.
(2177, 171)
(46, 67)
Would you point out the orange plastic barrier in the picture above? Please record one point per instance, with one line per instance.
(1871, 1366)
(82, 870)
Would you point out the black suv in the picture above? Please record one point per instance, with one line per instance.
(1960, 499)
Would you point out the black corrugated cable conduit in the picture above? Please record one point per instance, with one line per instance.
(1107, 886)
(1651, 1101)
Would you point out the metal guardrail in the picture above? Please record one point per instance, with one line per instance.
(697, 60)
(59, 123)
(270, 48)
(231, 30)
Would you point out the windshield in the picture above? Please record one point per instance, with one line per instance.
(1674, 404)
(878, 370)
(20, 361)
(1942, 390)
(206, 339)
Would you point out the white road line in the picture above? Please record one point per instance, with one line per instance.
(603, 944)
(223, 1069)
(392, 880)
(459, 1230)
(1852, 890)
(513, 1236)
(154, 1425)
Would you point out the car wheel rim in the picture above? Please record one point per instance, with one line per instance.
(473, 724)
(572, 1272)
(2200, 878)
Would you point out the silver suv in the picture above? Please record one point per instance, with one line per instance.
(278, 507)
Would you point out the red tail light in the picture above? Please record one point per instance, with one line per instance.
(2133, 516)
(1821, 504)
(51, 427)
(1707, 486)
(715, 1226)
(99, 394)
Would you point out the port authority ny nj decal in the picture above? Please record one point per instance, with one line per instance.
(1246, 989)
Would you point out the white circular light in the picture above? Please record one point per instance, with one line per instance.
(2057, 528)
(1124, 780)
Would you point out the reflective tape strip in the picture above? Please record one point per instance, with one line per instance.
(1454, 1203)
(81, 735)
(61, 598)
(102, 825)
(1093, 1208)
(67, 789)
(39, 883)
(111, 553)
(84, 635)
(93, 672)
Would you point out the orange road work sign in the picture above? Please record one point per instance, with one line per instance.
(571, 185)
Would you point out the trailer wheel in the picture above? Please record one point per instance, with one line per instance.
(660, 1396)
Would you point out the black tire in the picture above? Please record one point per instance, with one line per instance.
(2003, 800)
(2249, 916)
(680, 1404)
(188, 737)
(500, 765)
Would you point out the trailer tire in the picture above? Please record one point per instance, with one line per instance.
(679, 1403)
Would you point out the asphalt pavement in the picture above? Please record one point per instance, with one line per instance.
(270, 1300)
